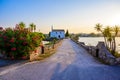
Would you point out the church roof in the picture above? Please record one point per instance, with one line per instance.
(58, 30)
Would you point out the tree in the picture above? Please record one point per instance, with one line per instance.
(108, 36)
(92, 34)
(32, 27)
(67, 34)
(98, 27)
(22, 25)
(49, 34)
(109, 33)
(116, 29)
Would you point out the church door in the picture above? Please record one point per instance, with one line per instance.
(59, 36)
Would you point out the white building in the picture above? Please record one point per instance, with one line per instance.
(57, 33)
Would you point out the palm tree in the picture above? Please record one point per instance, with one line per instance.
(31, 27)
(116, 29)
(108, 36)
(34, 28)
(98, 27)
(22, 25)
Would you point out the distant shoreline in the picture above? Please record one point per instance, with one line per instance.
(92, 35)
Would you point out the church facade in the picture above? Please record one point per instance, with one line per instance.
(57, 33)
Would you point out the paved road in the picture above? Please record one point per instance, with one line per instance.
(71, 62)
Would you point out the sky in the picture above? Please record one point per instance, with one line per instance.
(78, 16)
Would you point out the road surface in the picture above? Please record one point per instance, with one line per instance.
(70, 62)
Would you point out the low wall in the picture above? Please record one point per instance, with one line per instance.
(47, 48)
(35, 54)
(105, 55)
(101, 52)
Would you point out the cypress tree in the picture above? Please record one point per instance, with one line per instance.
(67, 34)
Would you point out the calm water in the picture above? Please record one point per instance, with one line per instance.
(93, 41)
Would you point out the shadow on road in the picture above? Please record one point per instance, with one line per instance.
(73, 72)
(4, 63)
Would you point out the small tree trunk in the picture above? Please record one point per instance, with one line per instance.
(114, 46)
(105, 42)
(110, 45)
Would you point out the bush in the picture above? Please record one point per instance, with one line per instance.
(116, 54)
(75, 37)
(18, 43)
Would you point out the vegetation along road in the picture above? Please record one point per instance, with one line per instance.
(70, 62)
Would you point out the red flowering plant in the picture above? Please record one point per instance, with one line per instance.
(18, 43)
(7, 42)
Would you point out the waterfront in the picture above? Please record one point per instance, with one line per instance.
(93, 41)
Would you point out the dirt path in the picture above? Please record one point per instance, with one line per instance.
(71, 62)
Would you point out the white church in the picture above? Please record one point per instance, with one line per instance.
(57, 33)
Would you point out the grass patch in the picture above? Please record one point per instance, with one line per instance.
(117, 55)
(45, 55)
(50, 43)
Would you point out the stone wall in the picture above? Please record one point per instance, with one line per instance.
(101, 52)
(35, 54)
(105, 55)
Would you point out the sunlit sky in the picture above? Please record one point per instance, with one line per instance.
(78, 16)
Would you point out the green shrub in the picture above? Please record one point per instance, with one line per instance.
(75, 37)
(117, 54)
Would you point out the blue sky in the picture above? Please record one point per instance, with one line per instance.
(75, 15)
